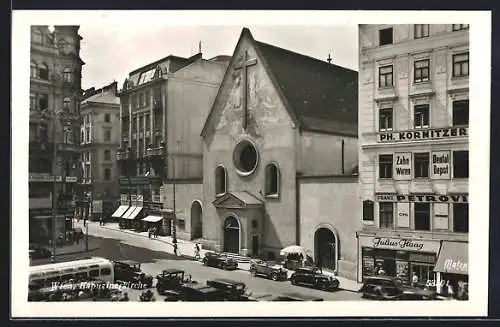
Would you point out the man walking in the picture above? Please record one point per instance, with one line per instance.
(149, 232)
(196, 251)
(175, 249)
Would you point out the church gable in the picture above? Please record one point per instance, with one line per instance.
(248, 101)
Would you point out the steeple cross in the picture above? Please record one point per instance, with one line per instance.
(244, 64)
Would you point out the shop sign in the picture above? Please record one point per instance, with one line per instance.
(434, 198)
(455, 265)
(403, 214)
(397, 243)
(440, 165)
(428, 134)
(402, 166)
(441, 215)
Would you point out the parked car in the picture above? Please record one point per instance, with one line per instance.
(172, 279)
(220, 261)
(312, 276)
(172, 296)
(130, 271)
(296, 297)
(233, 290)
(201, 293)
(391, 288)
(269, 269)
(36, 253)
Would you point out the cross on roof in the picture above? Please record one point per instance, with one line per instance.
(244, 64)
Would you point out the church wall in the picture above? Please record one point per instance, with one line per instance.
(185, 194)
(332, 202)
(321, 154)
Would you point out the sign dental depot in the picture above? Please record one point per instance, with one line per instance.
(427, 134)
(401, 244)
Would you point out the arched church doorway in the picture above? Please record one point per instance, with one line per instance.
(325, 248)
(231, 235)
(196, 222)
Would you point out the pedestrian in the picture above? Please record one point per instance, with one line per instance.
(155, 231)
(175, 249)
(449, 288)
(149, 232)
(100, 221)
(196, 251)
(414, 279)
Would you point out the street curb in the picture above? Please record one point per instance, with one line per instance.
(77, 252)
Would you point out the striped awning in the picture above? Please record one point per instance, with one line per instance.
(135, 213)
(120, 211)
(153, 219)
(129, 212)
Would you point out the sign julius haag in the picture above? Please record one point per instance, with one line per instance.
(397, 243)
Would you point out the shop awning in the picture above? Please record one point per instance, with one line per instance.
(129, 211)
(153, 219)
(453, 258)
(135, 213)
(120, 211)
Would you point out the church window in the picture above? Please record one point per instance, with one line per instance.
(272, 180)
(245, 158)
(220, 180)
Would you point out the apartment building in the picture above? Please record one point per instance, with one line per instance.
(413, 156)
(99, 139)
(55, 89)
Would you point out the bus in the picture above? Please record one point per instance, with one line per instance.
(95, 268)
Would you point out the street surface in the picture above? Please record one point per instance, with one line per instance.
(117, 245)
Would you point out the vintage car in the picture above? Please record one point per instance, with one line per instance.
(200, 293)
(233, 290)
(220, 261)
(391, 288)
(312, 276)
(172, 279)
(130, 271)
(172, 296)
(283, 297)
(269, 269)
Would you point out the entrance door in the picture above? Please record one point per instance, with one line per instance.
(255, 245)
(325, 251)
(196, 223)
(231, 235)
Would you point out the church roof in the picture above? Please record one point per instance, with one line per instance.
(323, 96)
(319, 96)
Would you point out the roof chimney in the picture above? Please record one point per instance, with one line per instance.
(329, 59)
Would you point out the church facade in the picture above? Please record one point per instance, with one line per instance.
(279, 160)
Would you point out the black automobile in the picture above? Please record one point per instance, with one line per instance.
(283, 297)
(172, 279)
(220, 261)
(391, 288)
(200, 293)
(312, 276)
(233, 290)
(269, 269)
(130, 271)
(37, 253)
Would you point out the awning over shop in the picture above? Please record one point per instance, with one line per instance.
(120, 211)
(453, 258)
(129, 212)
(135, 213)
(153, 219)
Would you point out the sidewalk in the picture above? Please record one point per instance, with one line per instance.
(186, 249)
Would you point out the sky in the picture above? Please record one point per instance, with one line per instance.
(112, 51)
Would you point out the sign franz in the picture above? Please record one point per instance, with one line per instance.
(426, 134)
(434, 198)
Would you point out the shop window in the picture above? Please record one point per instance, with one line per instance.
(461, 217)
(421, 116)
(220, 180)
(386, 214)
(368, 210)
(422, 216)
(385, 119)
(385, 36)
(460, 64)
(43, 72)
(460, 164)
(385, 165)
(459, 27)
(385, 76)
(107, 118)
(460, 112)
(271, 179)
(421, 71)
(420, 31)
(421, 168)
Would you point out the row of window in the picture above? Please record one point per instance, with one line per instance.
(85, 135)
(421, 116)
(421, 216)
(421, 70)
(143, 119)
(419, 31)
(142, 99)
(421, 165)
(41, 102)
(272, 180)
(41, 71)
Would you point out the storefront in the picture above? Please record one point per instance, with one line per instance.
(398, 257)
(452, 269)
